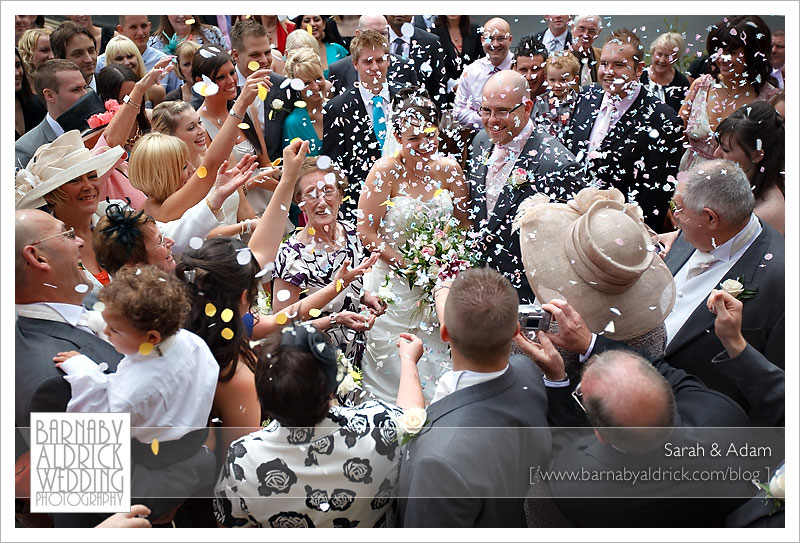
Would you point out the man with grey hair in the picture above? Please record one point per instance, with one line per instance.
(586, 29)
(723, 243)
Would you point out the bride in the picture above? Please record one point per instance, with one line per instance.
(400, 187)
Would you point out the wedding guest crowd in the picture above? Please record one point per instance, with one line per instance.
(306, 254)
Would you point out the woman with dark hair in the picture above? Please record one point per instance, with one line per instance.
(114, 82)
(331, 466)
(329, 51)
(28, 110)
(172, 29)
(462, 45)
(417, 182)
(740, 68)
(753, 137)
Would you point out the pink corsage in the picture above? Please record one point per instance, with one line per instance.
(101, 119)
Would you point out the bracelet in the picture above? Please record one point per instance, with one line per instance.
(242, 225)
(333, 319)
(127, 100)
(214, 211)
(249, 226)
(233, 114)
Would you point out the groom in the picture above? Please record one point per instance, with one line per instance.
(510, 161)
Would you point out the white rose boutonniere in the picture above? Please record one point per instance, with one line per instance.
(735, 287)
(518, 178)
(775, 490)
(277, 105)
(410, 423)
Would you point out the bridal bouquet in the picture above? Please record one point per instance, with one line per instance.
(436, 250)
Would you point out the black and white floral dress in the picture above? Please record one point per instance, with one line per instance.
(313, 267)
(339, 474)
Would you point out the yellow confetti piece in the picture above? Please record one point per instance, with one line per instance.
(262, 92)
(243, 126)
(311, 231)
(308, 29)
(300, 104)
(247, 16)
(281, 318)
(293, 140)
(430, 130)
(437, 193)
(189, 22)
(202, 172)
(345, 199)
(211, 310)
(145, 348)
(227, 333)
(203, 90)
(277, 161)
(226, 315)
(271, 114)
(388, 203)
(396, 153)
(314, 312)
(299, 228)
(253, 66)
(154, 446)
(339, 285)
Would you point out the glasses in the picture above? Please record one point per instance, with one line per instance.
(485, 113)
(578, 397)
(161, 241)
(69, 234)
(587, 31)
(498, 38)
(329, 193)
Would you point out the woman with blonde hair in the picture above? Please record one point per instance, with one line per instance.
(122, 50)
(34, 49)
(305, 122)
(298, 39)
(661, 78)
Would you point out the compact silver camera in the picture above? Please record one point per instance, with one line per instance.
(532, 318)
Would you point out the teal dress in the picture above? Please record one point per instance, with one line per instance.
(298, 125)
(335, 52)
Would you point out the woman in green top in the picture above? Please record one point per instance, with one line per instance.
(305, 120)
(329, 51)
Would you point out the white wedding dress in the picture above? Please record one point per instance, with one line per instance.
(409, 313)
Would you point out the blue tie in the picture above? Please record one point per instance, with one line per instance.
(378, 119)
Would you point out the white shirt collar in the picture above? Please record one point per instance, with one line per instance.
(69, 313)
(54, 125)
(518, 143)
(504, 65)
(393, 36)
(726, 252)
(240, 79)
(453, 381)
(93, 83)
(367, 95)
(562, 38)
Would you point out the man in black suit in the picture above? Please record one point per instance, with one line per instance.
(510, 160)
(557, 36)
(423, 52)
(637, 409)
(722, 240)
(354, 119)
(626, 138)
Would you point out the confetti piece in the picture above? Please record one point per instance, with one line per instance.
(429, 130)
(314, 312)
(99, 307)
(211, 310)
(262, 92)
(254, 66)
(271, 114)
(437, 193)
(609, 327)
(619, 242)
(154, 446)
(82, 288)
(243, 126)
(388, 203)
(297, 84)
(339, 285)
(281, 318)
(308, 29)
(407, 30)
(300, 104)
(189, 22)
(346, 198)
(202, 172)
(311, 231)
(145, 348)
(323, 163)
(615, 310)
(227, 333)
(278, 160)
(768, 256)
(195, 243)
(243, 257)
(226, 315)
(293, 140)
(283, 295)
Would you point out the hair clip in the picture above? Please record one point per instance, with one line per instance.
(189, 275)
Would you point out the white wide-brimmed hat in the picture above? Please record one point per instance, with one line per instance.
(57, 163)
(596, 253)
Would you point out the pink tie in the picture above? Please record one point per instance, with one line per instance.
(601, 125)
(494, 183)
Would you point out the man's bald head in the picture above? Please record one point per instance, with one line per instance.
(496, 40)
(373, 22)
(630, 404)
(497, 24)
(505, 93)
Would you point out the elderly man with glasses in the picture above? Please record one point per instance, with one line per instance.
(510, 161)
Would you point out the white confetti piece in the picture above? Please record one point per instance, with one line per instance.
(768, 256)
(609, 327)
(615, 310)
(297, 84)
(243, 257)
(323, 162)
(196, 243)
(407, 30)
(283, 295)
(82, 288)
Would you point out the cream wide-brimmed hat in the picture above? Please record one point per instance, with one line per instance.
(596, 253)
(57, 163)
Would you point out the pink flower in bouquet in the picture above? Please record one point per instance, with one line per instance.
(428, 250)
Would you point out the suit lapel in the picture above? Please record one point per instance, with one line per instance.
(478, 186)
(627, 122)
(584, 118)
(678, 255)
(509, 195)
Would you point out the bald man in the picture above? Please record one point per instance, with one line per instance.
(511, 160)
(343, 75)
(496, 41)
(635, 408)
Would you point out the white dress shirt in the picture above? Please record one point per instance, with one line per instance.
(453, 381)
(496, 182)
(168, 392)
(470, 90)
(406, 45)
(54, 311)
(54, 125)
(561, 40)
(696, 290)
(366, 98)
